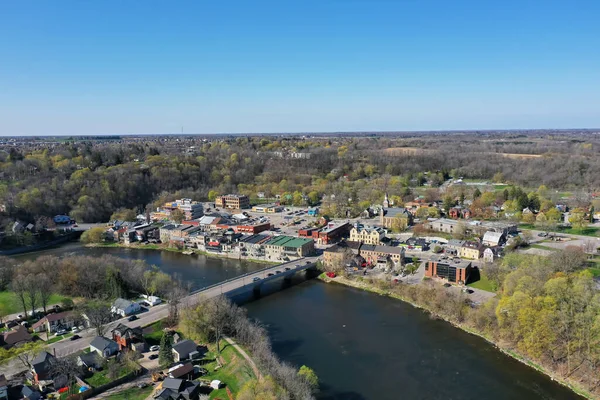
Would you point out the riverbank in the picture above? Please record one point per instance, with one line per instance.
(42, 246)
(159, 247)
(365, 285)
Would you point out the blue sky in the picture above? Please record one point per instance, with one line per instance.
(119, 67)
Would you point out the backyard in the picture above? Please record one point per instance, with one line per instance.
(12, 305)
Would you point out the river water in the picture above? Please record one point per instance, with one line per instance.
(361, 345)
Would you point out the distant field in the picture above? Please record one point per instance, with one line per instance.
(516, 155)
(398, 151)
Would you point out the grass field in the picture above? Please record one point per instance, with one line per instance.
(483, 284)
(133, 393)
(542, 247)
(587, 231)
(12, 305)
(234, 373)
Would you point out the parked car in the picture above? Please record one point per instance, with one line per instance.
(142, 385)
(287, 268)
(153, 356)
(75, 329)
(61, 332)
(75, 337)
(132, 318)
(270, 274)
(256, 279)
(154, 348)
(277, 272)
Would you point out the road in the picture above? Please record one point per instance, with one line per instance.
(66, 346)
(567, 240)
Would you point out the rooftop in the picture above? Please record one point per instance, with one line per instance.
(288, 241)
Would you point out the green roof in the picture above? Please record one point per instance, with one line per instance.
(288, 241)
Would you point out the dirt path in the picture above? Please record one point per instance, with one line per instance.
(246, 356)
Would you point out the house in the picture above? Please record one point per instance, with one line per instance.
(453, 246)
(379, 255)
(103, 346)
(40, 366)
(28, 392)
(3, 387)
(16, 336)
(125, 307)
(177, 389)
(493, 238)
(471, 250)
(454, 271)
(490, 254)
(129, 338)
(182, 371)
(182, 350)
(415, 244)
(54, 322)
(366, 234)
(90, 361)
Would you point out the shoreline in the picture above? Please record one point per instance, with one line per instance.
(175, 250)
(509, 352)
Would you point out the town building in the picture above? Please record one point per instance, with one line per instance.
(16, 336)
(377, 255)
(283, 247)
(340, 254)
(41, 366)
(453, 246)
(366, 234)
(184, 349)
(492, 239)
(471, 250)
(3, 387)
(395, 218)
(129, 338)
(191, 209)
(252, 245)
(177, 389)
(268, 208)
(54, 322)
(453, 270)
(490, 254)
(332, 233)
(233, 201)
(125, 307)
(104, 347)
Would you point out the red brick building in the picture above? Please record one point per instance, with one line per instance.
(453, 271)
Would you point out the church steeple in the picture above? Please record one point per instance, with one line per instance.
(386, 201)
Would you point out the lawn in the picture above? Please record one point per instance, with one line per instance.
(12, 304)
(542, 247)
(153, 333)
(54, 338)
(483, 284)
(133, 393)
(234, 373)
(595, 271)
(587, 231)
(98, 379)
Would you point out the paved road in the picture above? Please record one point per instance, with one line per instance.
(66, 347)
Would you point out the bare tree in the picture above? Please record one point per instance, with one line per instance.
(175, 295)
(19, 287)
(67, 368)
(45, 288)
(98, 314)
(31, 285)
(29, 353)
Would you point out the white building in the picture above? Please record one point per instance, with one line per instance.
(125, 307)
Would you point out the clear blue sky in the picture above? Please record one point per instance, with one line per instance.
(104, 67)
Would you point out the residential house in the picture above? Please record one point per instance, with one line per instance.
(177, 389)
(490, 254)
(104, 347)
(129, 338)
(125, 307)
(233, 201)
(493, 238)
(16, 336)
(415, 244)
(366, 234)
(454, 271)
(182, 371)
(3, 387)
(282, 247)
(395, 218)
(377, 254)
(41, 366)
(459, 212)
(54, 322)
(182, 350)
(90, 361)
(453, 246)
(471, 250)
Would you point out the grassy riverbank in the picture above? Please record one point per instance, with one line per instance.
(370, 287)
(161, 247)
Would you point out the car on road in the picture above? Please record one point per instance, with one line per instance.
(153, 356)
(270, 274)
(75, 329)
(75, 337)
(154, 348)
(256, 279)
(61, 332)
(142, 385)
(287, 268)
(132, 318)
(277, 272)
(542, 234)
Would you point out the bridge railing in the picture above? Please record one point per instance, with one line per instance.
(235, 278)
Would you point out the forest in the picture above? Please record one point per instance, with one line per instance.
(90, 179)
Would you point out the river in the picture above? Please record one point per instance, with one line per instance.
(362, 345)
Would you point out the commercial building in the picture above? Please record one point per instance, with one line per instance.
(367, 234)
(395, 218)
(282, 247)
(453, 270)
(374, 254)
(233, 201)
(471, 250)
(332, 233)
(268, 208)
(493, 238)
(191, 209)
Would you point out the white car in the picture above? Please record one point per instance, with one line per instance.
(154, 348)
(61, 332)
(75, 329)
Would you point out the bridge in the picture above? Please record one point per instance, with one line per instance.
(251, 281)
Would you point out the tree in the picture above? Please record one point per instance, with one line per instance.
(448, 203)
(313, 197)
(476, 193)
(264, 389)
(577, 219)
(45, 288)
(68, 368)
(98, 314)
(177, 216)
(124, 214)
(19, 287)
(309, 376)
(212, 195)
(94, 235)
(165, 354)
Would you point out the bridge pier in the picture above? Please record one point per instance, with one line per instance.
(256, 291)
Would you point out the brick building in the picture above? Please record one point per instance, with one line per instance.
(233, 201)
(454, 271)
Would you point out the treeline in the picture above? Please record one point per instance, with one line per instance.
(216, 318)
(90, 180)
(547, 310)
(98, 278)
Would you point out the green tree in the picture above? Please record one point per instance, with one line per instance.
(123, 214)
(177, 216)
(313, 197)
(212, 195)
(448, 203)
(94, 235)
(165, 354)
(476, 193)
(264, 389)
(309, 376)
